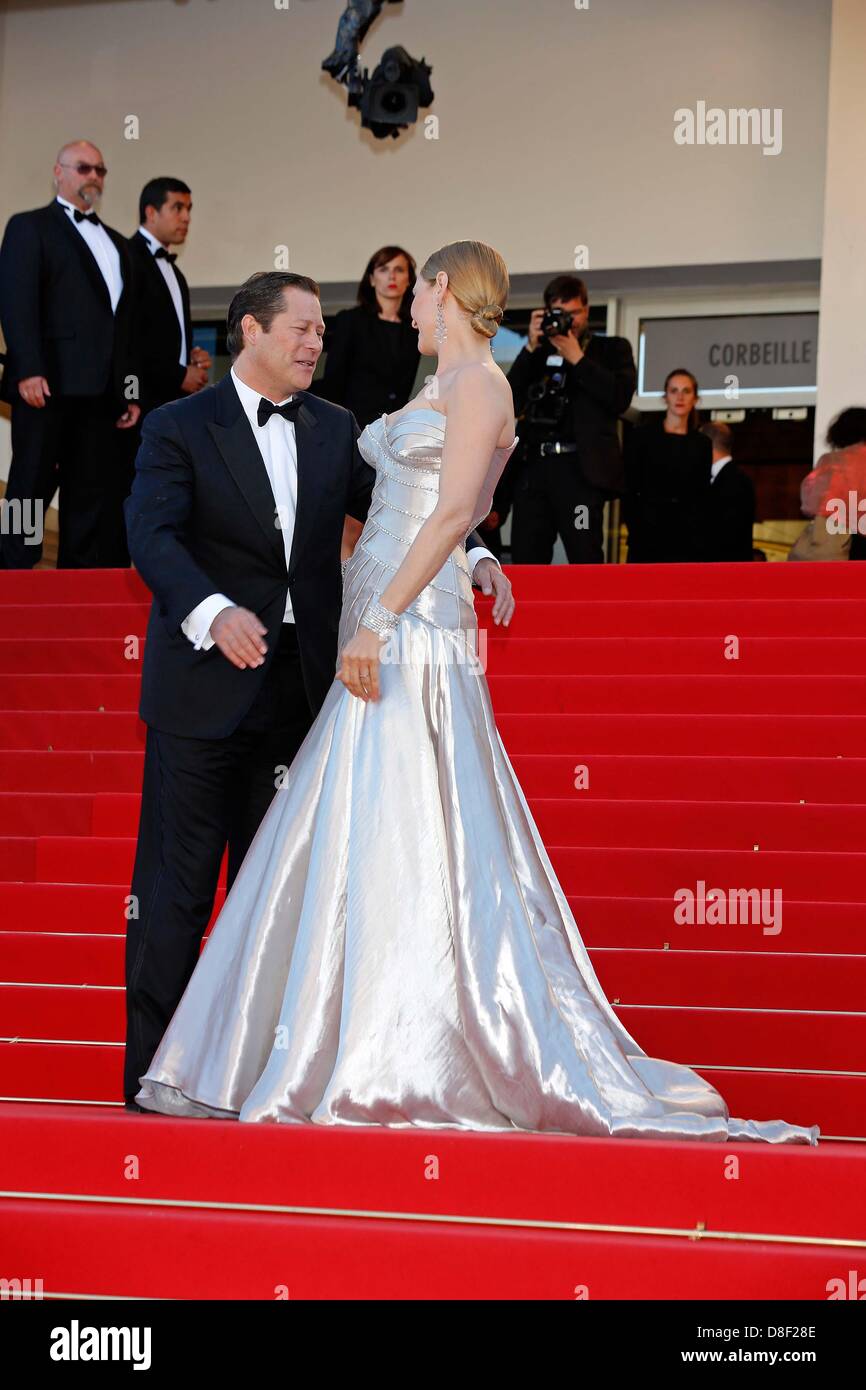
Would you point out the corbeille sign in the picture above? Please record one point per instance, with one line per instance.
(764, 352)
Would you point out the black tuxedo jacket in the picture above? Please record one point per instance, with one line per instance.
(56, 312)
(201, 520)
(156, 330)
(729, 516)
(600, 388)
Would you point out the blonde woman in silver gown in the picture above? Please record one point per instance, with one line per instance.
(396, 948)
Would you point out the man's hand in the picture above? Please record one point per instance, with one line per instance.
(129, 418)
(33, 390)
(535, 334)
(490, 522)
(359, 664)
(199, 358)
(491, 580)
(238, 634)
(568, 347)
(195, 377)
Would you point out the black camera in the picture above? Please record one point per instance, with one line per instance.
(556, 323)
(547, 401)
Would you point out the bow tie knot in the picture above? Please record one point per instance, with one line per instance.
(86, 217)
(289, 410)
(163, 255)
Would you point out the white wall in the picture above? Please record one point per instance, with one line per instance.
(555, 128)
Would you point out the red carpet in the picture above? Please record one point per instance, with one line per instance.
(671, 726)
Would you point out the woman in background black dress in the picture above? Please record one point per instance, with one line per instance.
(372, 350)
(668, 464)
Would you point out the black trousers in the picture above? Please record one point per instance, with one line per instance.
(546, 497)
(199, 797)
(71, 443)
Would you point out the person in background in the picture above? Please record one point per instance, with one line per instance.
(840, 476)
(66, 307)
(667, 462)
(729, 516)
(170, 366)
(570, 388)
(372, 349)
(372, 352)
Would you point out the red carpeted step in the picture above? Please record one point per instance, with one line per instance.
(672, 777)
(72, 655)
(562, 581)
(68, 907)
(49, 620)
(573, 734)
(700, 1037)
(728, 693)
(729, 978)
(89, 1073)
(635, 872)
(578, 820)
(83, 1250)
(73, 692)
(716, 735)
(837, 928)
(62, 959)
(49, 730)
(718, 617)
(91, 587)
(646, 873)
(785, 1190)
(26, 770)
(600, 656)
(713, 979)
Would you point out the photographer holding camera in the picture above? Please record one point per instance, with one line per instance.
(570, 386)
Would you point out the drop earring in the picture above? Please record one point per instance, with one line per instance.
(441, 332)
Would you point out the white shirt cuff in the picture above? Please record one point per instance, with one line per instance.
(197, 625)
(478, 552)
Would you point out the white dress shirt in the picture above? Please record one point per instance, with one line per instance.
(718, 466)
(279, 451)
(168, 275)
(278, 447)
(103, 250)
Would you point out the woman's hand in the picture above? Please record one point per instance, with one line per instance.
(359, 664)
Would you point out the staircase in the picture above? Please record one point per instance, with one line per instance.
(672, 727)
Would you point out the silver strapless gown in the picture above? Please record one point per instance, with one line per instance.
(396, 949)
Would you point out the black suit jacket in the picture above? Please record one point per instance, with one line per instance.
(156, 330)
(56, 312)
(201, 520)
(729, 516)
(600, 388)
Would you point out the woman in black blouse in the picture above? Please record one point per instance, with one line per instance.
(668, 462)
(372, 350)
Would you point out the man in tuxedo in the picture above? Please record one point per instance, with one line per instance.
(170, 366)
(570, 389)
(235, 521)
(66, 308)
(729, 512)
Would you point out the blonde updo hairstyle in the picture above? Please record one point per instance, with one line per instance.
(477, 278)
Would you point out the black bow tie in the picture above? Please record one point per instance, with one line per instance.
(86, 217)
(289, 411)
(163, 255)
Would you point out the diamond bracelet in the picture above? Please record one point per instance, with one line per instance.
(379, 620)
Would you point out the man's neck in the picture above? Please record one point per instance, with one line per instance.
(256, 381)
(76, 203)
(164, 244)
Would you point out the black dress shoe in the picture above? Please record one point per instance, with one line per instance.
(134, 1106)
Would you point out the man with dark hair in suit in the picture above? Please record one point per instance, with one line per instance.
(66, 297)
(170, 366)
(235, 521)
(729, 513)
(570, 388)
